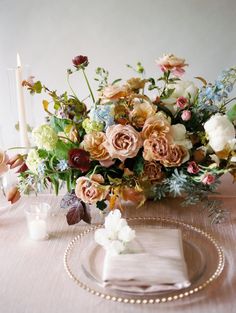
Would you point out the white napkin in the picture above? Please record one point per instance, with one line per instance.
(154, 261)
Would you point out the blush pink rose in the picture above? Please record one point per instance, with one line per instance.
(186, 115)
(122, 141)
(170, 62)
(208, 179)
(181, 102)
(193, 168)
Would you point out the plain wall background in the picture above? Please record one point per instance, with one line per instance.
(48, 33)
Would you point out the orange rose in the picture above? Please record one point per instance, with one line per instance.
(156, 148)
(175, 157)
(142, 110)
(153, 171)
(155, 124)
(114, 92)
(93, 143)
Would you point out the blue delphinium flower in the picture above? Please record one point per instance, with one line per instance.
(41, 168)
(220, 90)
(62, 165)
(103, 113)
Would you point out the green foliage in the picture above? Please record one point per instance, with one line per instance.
(59, 124)
(37, 87)
(138, 165)
(62, 148)
(232, 113)
(101, 205)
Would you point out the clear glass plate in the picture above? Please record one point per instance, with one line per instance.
(205, 261)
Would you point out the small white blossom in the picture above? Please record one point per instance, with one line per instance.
(115, 235)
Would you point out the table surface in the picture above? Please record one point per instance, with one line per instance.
(33, 278)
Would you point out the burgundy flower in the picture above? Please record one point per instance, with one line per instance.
(79, 158)
(80, 60)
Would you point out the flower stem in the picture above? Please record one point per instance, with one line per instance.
(87, 82)
(72, 90)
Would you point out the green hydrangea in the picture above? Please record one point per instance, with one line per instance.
(90, 126)
(45, 137)
(33, 161)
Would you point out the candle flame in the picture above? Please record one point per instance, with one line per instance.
(18, 60)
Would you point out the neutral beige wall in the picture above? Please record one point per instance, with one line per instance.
(48, 33)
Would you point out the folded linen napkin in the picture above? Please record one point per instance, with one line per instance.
(154, 261)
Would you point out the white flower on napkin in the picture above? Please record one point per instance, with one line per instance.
(116, 233)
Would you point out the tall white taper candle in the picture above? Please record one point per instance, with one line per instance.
(24, 140)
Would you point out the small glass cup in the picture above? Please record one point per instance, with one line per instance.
(37, 220)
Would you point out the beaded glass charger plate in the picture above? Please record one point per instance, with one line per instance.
(83, 262)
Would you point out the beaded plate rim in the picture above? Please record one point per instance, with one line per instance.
(153, 300)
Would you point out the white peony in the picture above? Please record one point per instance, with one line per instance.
(182, 89)
(178, 132)
(115, 235)
(220, 132)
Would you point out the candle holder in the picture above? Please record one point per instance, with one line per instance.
(37, 220)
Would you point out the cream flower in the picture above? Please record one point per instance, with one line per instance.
(220, 132)
(142, 110)
(181, 89)
(45, 137)
(179, 135)
(33, 161)
(90, 190)
(122, 141)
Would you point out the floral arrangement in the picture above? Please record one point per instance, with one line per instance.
(131, 146)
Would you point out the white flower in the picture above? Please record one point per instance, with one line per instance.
(178, 132)
(115, 247)
(182, 89)
(220, 132)
(33, 161)
(126, 234)
(115, 235)
(45, 137)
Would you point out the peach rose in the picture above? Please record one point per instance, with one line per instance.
(115, 92)
(169, 62)
(153, 171)
(122, 141)
(175, 156)
(155, 124)
(142, 110)
(93, 143)
(90, 190)
(3, 162)
(156, 148)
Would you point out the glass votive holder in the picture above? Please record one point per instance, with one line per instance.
(37, 216)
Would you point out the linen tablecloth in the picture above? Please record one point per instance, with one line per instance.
(33, 279)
